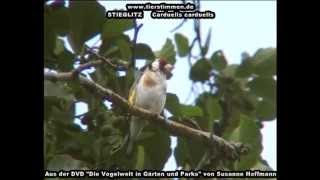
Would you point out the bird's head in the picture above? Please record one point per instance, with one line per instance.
(163, 66)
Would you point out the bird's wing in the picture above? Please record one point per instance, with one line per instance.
(132, 91)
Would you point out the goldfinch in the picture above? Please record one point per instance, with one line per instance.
(149, 92)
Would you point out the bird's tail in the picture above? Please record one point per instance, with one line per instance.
(129, 148)
(136, 127)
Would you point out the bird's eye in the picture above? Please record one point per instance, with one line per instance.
(162, 63)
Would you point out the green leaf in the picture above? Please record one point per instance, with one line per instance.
(145, 135)
(167, 52)
(57, 18)
(112, 49)
(267, 67)
(64, 116)
(65, 61)
(245, 69)
(63, 58)
(264, 87)
(248, 133)
(182, 44)
(140, 159)
(200, 71)
(56, 22)
(60, 58)
(210, 105)
(246, 103)
(218, 60)
(172, 104)
(188, 151)
(116, 27)
(49, 41)
(79, 92)
(263, 53)
(124, 48)
(50, 102)
(57, 90)
(109, 51)
(143, 51)
(86, 20)
(157, 149)
(230, 70)
(59, 48)
(213, 108)
(266, 110)
(191, 111)
(265, 62)
(119, 160)
(65, 162)
(181, 152)
(207, 43)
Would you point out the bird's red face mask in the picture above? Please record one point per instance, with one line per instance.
(166, 68)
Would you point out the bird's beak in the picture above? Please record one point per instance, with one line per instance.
(168, 68)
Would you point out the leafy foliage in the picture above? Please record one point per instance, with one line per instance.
(143, 51)
(248, 132)
(236, 98)
(207, 43)
(218, 60)
(182, 44)
(200, 71)
(85, 21)
(167, 52)
(114, 27)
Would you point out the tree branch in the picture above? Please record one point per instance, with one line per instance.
(227, 149)
(120, 67)
(85, 66)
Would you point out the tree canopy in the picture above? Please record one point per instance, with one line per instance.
(239, 98)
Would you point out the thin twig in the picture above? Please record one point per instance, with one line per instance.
(179, 26)
(85, 66)
(197, 30)
(120, 67)
(190, 49)
(203, 160)
(80, 115)
(135, 37)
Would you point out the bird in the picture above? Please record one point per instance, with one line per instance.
(148, 92)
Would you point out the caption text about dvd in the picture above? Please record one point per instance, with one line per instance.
(158, 174)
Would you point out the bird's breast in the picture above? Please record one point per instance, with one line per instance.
(151, 97)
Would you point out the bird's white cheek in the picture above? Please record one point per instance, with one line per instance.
(168, 68)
